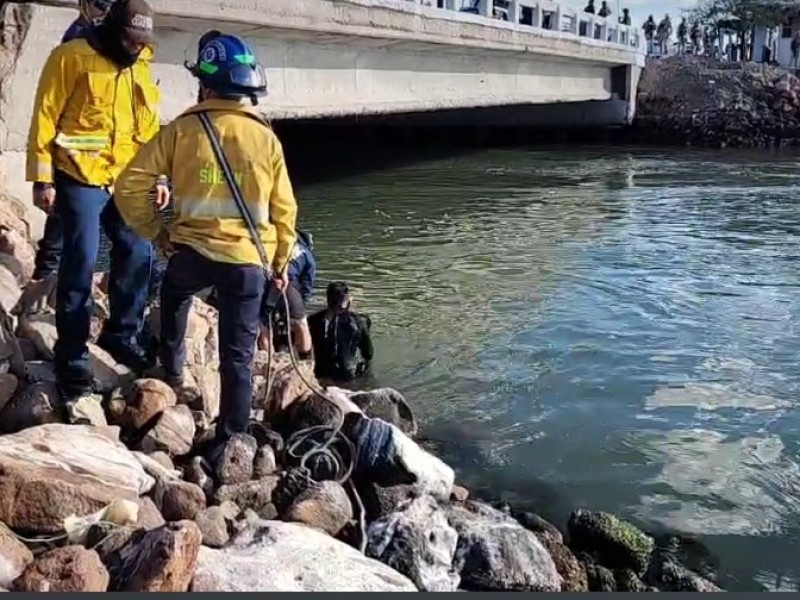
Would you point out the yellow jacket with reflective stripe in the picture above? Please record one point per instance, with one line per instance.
(206, 215)
(90, 117)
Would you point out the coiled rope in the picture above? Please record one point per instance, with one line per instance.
(315, 448)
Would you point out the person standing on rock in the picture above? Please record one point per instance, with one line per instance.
(48, 253)
(649, 29)
(683, 35)
(95, 107)
(224, 231)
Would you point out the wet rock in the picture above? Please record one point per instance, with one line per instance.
(36, 404)
(213, 527)
(50, 472)
(181, 500)
(616, 543)
(149, 515)
(496, 553)
(234, 464)
(14, 557)
(324, 506)
(459, 494)
(667, 574)
(627, 581)
(389, 405)
(108, 373)
(29, 352)
(40, 330)
(198, 471)
(284, 557)
(8, 385)
(146, 400)
(264, 463)
(419, 543)
(253, 494)
(173, 432)
(40, 370)
(383, 501)
(572, 571)
(599, 578)
(68, 569)
(538, 525)
(87, 410)
(159, 560)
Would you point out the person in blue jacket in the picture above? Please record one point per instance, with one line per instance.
(302, 272)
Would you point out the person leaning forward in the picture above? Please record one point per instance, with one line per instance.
(212, 245)
(95, 106)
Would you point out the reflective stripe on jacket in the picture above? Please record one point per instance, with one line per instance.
(206, 215)
(90, 117)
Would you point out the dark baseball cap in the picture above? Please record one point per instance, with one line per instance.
(136, 17)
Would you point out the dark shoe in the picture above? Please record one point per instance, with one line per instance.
(73, 388)
(131, 354)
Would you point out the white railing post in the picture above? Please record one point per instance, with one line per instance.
(557, 25)
(538, 15)
(514, 10)
(450, 4)
(487, 8)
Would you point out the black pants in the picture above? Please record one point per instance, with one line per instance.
(239, 291)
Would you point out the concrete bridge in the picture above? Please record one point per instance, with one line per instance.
(423, 59)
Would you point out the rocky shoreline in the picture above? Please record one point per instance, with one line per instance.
(115, 492)
(698, 101)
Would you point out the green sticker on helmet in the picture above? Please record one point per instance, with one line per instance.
(245, 59)
(207, 68)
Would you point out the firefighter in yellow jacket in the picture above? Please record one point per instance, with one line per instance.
(212, 244)
(95, 107)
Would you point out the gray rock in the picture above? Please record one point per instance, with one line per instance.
(230, 510)
(496, 553)
(389, 405)
(419, 543)
(599, 578)
(627, 581)
(234, 464)
(667, 574)
(173, 432)
(40, 330)
(617, 544)
(87, 410)
(213, 527)
(36, 404)
(572, 571)
(198, 471)
(40, 370)
(536, 524)
(324, 506)
(8, 385)
(282, 557)
(265, 463)
(253, 494)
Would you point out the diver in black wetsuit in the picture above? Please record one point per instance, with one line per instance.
(341, 338)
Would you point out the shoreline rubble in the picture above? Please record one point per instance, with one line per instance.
(144, 510)
(702, 102)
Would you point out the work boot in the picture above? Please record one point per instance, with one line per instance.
(130, 353)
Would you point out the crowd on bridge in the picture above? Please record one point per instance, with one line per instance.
(209, 193)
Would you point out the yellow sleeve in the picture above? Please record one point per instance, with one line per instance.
(58, 79)
(153, 96)
(133, 186)
(282, 210)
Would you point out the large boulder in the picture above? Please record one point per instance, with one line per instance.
(667, 573)
(495, 552)
(159, 560)
(418, 542)
(283, 557)
(617, 544)
(172, 433)
(14, 557)
(68, 569)
(234, 462)
(389, 405)
(36, 404)
(50, 472)
(146, 400)
(324, 506)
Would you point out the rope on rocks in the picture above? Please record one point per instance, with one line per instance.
(314, 447)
